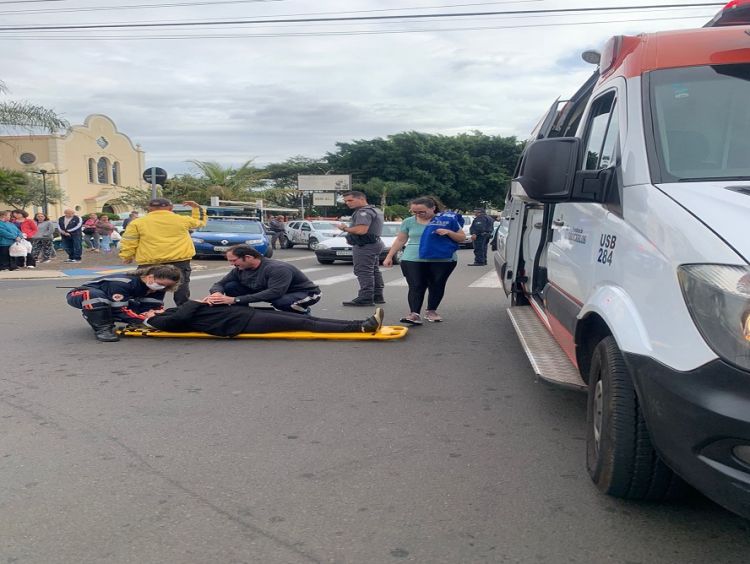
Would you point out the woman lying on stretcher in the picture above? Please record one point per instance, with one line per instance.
(232, 320)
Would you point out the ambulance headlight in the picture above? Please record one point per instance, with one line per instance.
(253, 241)
(718, 298)
(197, 240)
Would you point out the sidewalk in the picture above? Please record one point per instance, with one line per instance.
(93, 265)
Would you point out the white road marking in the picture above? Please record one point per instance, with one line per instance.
(297, 258)
(331, 280)
(489, 280)
(205, 276)
(306, 270)
(397, 282)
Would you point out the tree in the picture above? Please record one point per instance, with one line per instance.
(22, 190)
(463, 171)
(134, 197)
(230, 183)
(12, 184)
(398, 191)
(29, 116)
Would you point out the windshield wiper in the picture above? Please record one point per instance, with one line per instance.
(713, 178)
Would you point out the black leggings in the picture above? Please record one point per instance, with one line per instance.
(423, 276)
(273, 321)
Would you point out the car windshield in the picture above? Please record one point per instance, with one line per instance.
(232, 227)
(701, 120)
(324, 225)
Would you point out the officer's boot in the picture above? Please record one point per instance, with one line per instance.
(102, 324)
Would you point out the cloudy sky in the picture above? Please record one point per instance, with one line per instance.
(230, 92)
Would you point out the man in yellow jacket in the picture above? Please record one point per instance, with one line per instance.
(163, 237)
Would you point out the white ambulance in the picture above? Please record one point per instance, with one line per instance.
(627, 259)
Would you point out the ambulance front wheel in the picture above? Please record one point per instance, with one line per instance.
(620, 457)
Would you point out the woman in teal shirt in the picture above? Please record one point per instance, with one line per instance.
(423, 275)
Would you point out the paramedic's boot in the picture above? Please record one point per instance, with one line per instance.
(373, 323)
(102, 324)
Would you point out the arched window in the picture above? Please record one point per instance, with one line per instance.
(116, 173)
(92, 171)
(103, 171)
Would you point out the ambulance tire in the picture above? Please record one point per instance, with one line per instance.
(620, 457)
(269, 252)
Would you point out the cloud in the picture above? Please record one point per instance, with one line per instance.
(270, 98)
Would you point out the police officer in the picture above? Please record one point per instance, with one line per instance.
(363, 234)
(481, 232)
(123, 298)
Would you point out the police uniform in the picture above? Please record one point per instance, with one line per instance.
(366, 250)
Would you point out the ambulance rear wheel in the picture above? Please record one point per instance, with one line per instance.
(620, 457)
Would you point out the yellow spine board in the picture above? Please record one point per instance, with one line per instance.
(386, 333)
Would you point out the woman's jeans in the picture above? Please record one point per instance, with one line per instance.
(92, 241)
(105, 244)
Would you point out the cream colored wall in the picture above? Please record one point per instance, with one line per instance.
(69, 155)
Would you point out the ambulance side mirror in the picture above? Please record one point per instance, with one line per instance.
(548, 169)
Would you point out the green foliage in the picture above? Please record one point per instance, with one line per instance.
(23, 190)
(396, 211)
(134, 197)
(379, 191)
(28, 116)
(12, 185)
(230, 183)
(463, 171)
(284, 175)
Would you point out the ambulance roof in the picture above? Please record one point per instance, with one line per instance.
(631, 56)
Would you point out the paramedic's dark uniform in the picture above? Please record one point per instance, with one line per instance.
(126, 296)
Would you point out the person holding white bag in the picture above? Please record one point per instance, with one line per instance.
(9, 235)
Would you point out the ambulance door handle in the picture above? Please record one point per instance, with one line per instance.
(558, 223)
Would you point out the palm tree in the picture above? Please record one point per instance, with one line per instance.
(229, 182)
(30, 116)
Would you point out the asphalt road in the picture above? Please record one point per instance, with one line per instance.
(440, 448)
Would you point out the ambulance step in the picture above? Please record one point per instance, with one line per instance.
(547, 358)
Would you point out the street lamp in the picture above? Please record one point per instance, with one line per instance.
(44, 174)
(44, 190)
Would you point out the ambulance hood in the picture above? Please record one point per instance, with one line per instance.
(723, 206)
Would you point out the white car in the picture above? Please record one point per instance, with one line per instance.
(336, 248)
(310, 232)
(467, 243)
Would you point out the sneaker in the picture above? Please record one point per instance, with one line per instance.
(477, 264)
(412, 319)
(432, 316)
(46, 261)
(68, 260)
(31, 266)
(358, 302)
(379, 299)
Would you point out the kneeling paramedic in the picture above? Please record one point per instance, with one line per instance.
(123, 298)
(255, 278)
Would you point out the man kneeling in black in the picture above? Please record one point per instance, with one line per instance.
(226, 321)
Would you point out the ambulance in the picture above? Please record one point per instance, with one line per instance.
(627, 259)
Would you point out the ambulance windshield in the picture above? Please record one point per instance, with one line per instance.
(701, 120)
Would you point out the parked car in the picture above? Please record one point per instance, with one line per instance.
(219, 234)
(310, 232)
(336, 248)
(467, 243)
